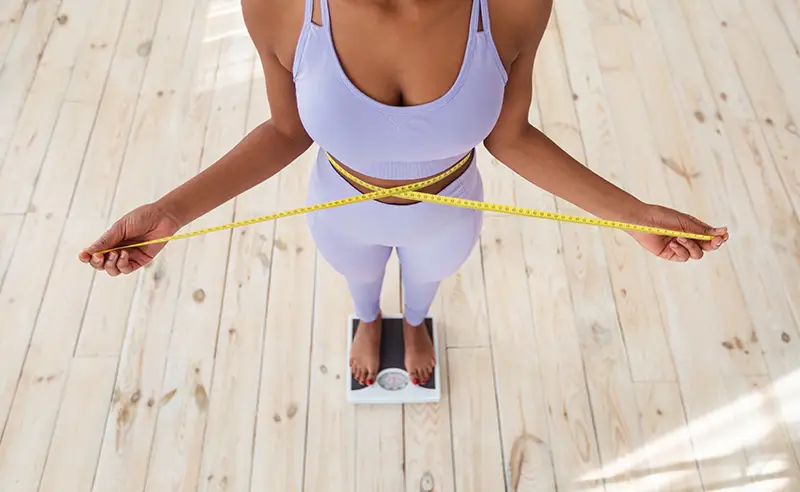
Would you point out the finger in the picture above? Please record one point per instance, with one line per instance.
(98, 261)
(124, 263)
(137, 258)
(84, 257)
(695, 252)
(108, 240)
(681, 254)
(111, 264)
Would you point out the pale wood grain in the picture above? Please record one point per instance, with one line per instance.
(766, 95)
(283, 403)
(685, 301)
(21, 297)
(331, 431)
(591, 279)
(76, 442)
(111, 142)
(756, 409)
(129, 430)
(107, 315)
(477, 452)
(428, 440)
(524, 431)
(637, 306)
(524, 428)
(602, 12)
(21, 63)
(36, 122)
(179, 436)
(234, 389)
(765, 286)
(573, 441)
(11, 13)
(669, 447)
(32, 418)
(465, 313)
(789, 13)
(55, 183)
(9, 234)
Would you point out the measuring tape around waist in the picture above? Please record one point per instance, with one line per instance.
(410, 192)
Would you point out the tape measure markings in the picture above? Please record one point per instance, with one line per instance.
(409, 192)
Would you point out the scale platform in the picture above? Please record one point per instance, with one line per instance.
(393, 385)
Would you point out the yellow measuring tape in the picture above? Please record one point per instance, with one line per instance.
(410, 192)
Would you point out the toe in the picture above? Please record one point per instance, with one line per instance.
(371, 375)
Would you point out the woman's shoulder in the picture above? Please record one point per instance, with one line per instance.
(514, 22)
(274, 25)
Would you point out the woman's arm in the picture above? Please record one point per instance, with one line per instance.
(529, 152)
(266, 150)
(535, 157)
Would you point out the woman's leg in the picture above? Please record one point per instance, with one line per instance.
(423, 266)
(363, 266)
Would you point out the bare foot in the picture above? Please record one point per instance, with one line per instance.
(420, 354)
(365, 352)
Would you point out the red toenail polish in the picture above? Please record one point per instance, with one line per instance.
(370, 382)
(414, 382)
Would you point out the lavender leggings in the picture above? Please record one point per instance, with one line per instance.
(432, 240)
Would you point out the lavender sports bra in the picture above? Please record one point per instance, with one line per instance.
(397, 142)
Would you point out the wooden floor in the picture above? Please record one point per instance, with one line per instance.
(574, 361)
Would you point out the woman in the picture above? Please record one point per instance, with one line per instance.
(395, 91)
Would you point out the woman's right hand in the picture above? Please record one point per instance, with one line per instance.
(142, 224)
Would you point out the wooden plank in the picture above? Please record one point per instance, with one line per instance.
(789, 13)
(9, 233)
(279, 393)
(781, 53)
(573, 441)
(180, 428)
(606, 364)
(515, 350)
(477, 453)
(106, 316)
(379, 434)
(38, 117)
(80, 420)
(11, 13)
(119, 109)
(55, 183)
(428, 440)
(524, 428)
(331, 430)
(21, 295)
(21, 63)
(129, 431)
(464, 312)
(699, 354)
(714, 145)
(760, 431)
(602, 12)
(771, 309)
(669, 448)
(637, 306)
(23, 449)
(765, 93)
(282, 402)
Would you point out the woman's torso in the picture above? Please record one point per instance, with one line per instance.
(397, 92)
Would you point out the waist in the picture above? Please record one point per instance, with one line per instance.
(434, 188)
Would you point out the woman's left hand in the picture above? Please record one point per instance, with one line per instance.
(672, 248)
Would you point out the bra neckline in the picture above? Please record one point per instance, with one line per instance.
(389, 108)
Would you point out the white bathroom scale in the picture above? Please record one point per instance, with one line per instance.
(393, 384)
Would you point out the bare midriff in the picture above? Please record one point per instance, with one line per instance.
(433, 189)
